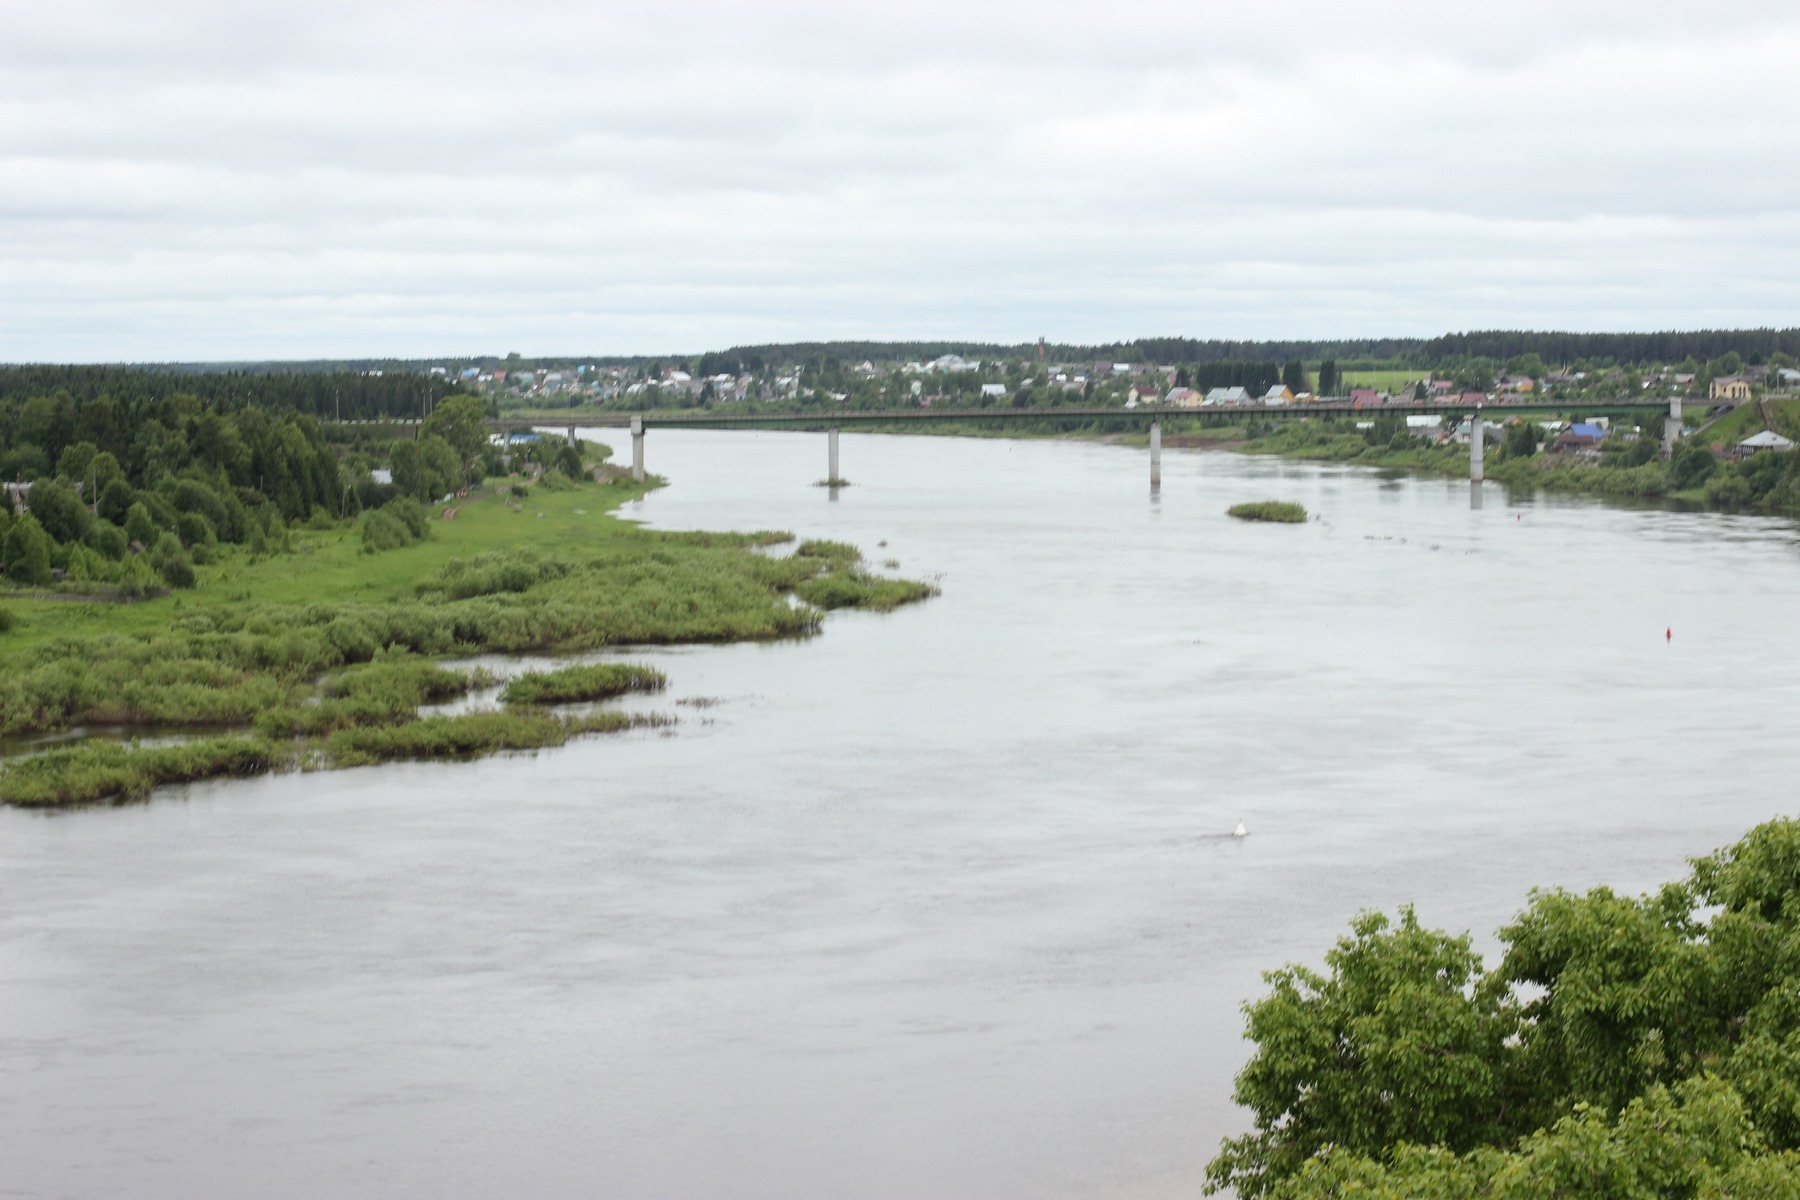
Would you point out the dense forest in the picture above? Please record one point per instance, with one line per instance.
(1753, 345)
(328, 395)
(118, 486)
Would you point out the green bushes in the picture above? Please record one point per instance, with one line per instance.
(6, 620)
(172, 562)
(59, 510)
(107, 539)
(139, 526)
(856, 589)
(466, 736)
(138, 580)
(195, 530)
(116, 501)
(595, 681)
(25, 552)
(382, 693)
(838, 554)
(99, 770)
(400, 522)
(491, 573)
(381, 531)
(1281, 511)
(1622, 1046)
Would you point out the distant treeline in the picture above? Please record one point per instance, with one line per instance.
(1157, 351)
(1554, 347)
(1255, 377)
(321, 394)
(405, 384)
(1669, 346)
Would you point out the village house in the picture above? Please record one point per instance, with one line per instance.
(1581, 437)
(1142, 393)
(1279, 394)
(1729, 387)
(1768, 440)
(1365, 397)
(1230, 395)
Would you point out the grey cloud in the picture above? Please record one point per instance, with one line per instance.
(186, 180)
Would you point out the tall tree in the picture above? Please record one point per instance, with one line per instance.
(1293, 377)
(458, 420)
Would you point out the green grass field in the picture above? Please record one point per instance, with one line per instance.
(1747, 420)
(330, 566)
(1384, 381)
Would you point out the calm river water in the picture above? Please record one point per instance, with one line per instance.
(933, 905)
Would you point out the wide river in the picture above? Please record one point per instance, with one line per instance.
(934, 905)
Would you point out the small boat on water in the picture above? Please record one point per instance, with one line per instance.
(1240, 831)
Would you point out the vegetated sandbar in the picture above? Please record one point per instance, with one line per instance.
(1283, 512)
(320, 655)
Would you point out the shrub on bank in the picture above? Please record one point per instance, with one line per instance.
(838, 554)
(101, 770)
(465, 736)
(857, 589)
(593, 681)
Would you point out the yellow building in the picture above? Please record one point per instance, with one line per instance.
(1730, 387)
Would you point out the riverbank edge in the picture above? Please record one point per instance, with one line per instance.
(342, 718)
(1539, 473)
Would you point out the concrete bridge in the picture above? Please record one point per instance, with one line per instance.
(639, 423)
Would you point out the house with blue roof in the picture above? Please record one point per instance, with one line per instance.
(1582, 436)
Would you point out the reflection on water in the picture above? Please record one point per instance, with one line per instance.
(940, 903)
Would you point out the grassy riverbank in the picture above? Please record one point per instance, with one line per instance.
(1630, 470)
(322, 657)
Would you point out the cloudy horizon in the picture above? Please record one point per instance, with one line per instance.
(204, 181)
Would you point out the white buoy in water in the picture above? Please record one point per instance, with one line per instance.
(1240, 831)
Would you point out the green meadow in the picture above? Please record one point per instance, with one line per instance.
(321, 655)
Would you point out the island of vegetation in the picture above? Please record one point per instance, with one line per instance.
(1284, 512)
(1622, 1047)
(262, 597)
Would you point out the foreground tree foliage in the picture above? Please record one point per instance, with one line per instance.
(1623, 1047)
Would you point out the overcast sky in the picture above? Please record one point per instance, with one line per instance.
(182, 179)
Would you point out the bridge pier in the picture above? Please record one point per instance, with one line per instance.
(1155, 455)
(637, 447)
(832, 478)
(1477, 447)
(1672, 426)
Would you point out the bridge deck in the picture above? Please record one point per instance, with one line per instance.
(725, 418)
